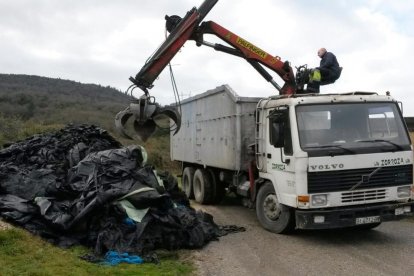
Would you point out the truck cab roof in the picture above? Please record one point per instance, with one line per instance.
(297, 99)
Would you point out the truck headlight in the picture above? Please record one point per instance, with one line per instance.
(404, 191)
(319, 200)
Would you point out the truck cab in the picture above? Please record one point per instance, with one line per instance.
(330, 161)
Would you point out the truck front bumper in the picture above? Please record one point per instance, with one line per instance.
(352, 216)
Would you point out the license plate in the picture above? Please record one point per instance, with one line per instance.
(367, 220)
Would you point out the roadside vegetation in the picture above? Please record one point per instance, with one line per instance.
(24, 254)
(31, 105)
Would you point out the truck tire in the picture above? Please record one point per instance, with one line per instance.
(203, 187)
(187, 182)
(272, 215)
(218, 188)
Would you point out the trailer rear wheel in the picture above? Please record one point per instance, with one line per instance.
(203, 187)
(217, 186)
(187, 182)
(272, 215)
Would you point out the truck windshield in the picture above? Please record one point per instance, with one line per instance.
(351, 128)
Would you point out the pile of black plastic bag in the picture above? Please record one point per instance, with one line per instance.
(79, 186)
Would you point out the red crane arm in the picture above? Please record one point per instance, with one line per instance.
(191, 28)
(145, 109)
(180, 31)
(166, 52)
(251, 53)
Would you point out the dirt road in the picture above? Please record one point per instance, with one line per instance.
(386, 250)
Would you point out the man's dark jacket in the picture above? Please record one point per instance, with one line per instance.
(329, 67)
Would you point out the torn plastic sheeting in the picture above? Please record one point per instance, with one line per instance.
(77, 175)
(132, 212)
(115, 258)
(17, 209)
(21, 161)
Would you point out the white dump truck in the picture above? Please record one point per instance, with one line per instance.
(308, 161)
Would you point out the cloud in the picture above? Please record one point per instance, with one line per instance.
(106, 41)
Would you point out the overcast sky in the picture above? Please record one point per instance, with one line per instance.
(105, 42)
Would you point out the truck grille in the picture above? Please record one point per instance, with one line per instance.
(362, 196)
(344, 180)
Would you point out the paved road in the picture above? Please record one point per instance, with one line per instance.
(386, 250)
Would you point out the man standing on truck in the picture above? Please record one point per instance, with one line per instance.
(328, 71)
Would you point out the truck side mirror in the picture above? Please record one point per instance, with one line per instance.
(277, 122)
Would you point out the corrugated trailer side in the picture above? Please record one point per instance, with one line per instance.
(217, 126)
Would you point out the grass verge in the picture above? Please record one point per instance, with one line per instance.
(24, 254)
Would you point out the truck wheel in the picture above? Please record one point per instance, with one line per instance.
(203, 187)
(272, 215)
(187, 182)
(218, 188)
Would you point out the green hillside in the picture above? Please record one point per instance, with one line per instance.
(34, 104)
(56, 101)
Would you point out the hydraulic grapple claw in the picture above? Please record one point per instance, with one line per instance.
(120, 120)
(145, 129)
(143, 112)
(172, 113)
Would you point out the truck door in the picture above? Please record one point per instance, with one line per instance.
(279, 153)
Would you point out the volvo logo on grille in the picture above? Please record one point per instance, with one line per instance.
(365, 178)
